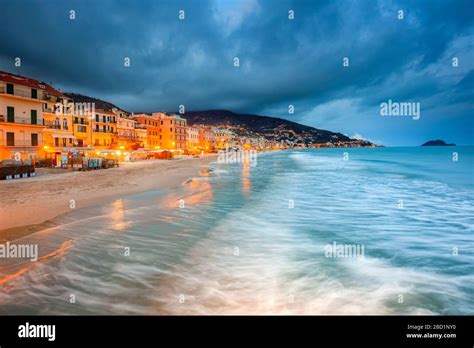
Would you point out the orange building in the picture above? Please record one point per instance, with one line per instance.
(172, 131)
(206, 139)
(152, 128)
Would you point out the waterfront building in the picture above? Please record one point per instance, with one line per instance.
(172, 131)
(22, 100)
(223, 138)
(145, 121)
(192, 139)
(127, 138)
(104, 129)
(206, 139)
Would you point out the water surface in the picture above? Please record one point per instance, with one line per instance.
(251, 240)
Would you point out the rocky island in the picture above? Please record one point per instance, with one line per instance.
(437, 143)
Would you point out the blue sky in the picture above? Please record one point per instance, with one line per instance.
(282, 62)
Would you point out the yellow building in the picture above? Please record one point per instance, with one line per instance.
(81, 124)
(22, 100)
(104, 130)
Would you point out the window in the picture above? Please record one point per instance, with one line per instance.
(56, 123)
(96, 128)
(65, 124)
(10, 139)
(10, 88)
(161, 122)
(34, 139)
(97, 118)
(34, 117)
(171, 129)
(34, 93)
(56, 142)
(10, 114)
(64, 142)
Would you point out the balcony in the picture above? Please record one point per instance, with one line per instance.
(79, 128)
(104, 131)
(24, 94)
(54, 125)
(18, 143)
(22, 120)
(81, 121)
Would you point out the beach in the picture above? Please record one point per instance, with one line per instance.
(35, 200)
(250, 239)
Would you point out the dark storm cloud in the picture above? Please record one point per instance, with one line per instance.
(283, 62)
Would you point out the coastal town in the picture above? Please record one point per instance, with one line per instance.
(41, 124)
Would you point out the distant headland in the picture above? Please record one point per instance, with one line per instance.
(437, 143)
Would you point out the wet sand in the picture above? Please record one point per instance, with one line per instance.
(30, 201)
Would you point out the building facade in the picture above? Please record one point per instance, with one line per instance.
(172, 131)
(104, 129)
(21, 115)
(152, 129)
(192, 139)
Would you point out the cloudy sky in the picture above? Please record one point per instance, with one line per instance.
(282, 62)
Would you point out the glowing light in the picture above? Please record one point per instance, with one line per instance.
(45, 147)
(122, 147)
(98, 153)
(118, 152)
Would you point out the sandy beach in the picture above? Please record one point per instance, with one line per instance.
(31, 201)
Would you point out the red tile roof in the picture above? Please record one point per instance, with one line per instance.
(26, 81)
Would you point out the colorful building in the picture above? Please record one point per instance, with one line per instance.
(223, 138)
(206, 139)
(172, 130)
(104, 129)
(126, 135)
(152, 128)
(21, 115)
(192, 139)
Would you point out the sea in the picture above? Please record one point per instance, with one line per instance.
(317, 231)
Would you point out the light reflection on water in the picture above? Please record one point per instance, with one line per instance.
(189, 253)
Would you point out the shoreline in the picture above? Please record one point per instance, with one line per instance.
(29, 202)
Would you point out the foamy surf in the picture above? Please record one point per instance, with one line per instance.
(255, 240)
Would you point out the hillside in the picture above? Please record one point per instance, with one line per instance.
(269, 127)
(99, 104)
